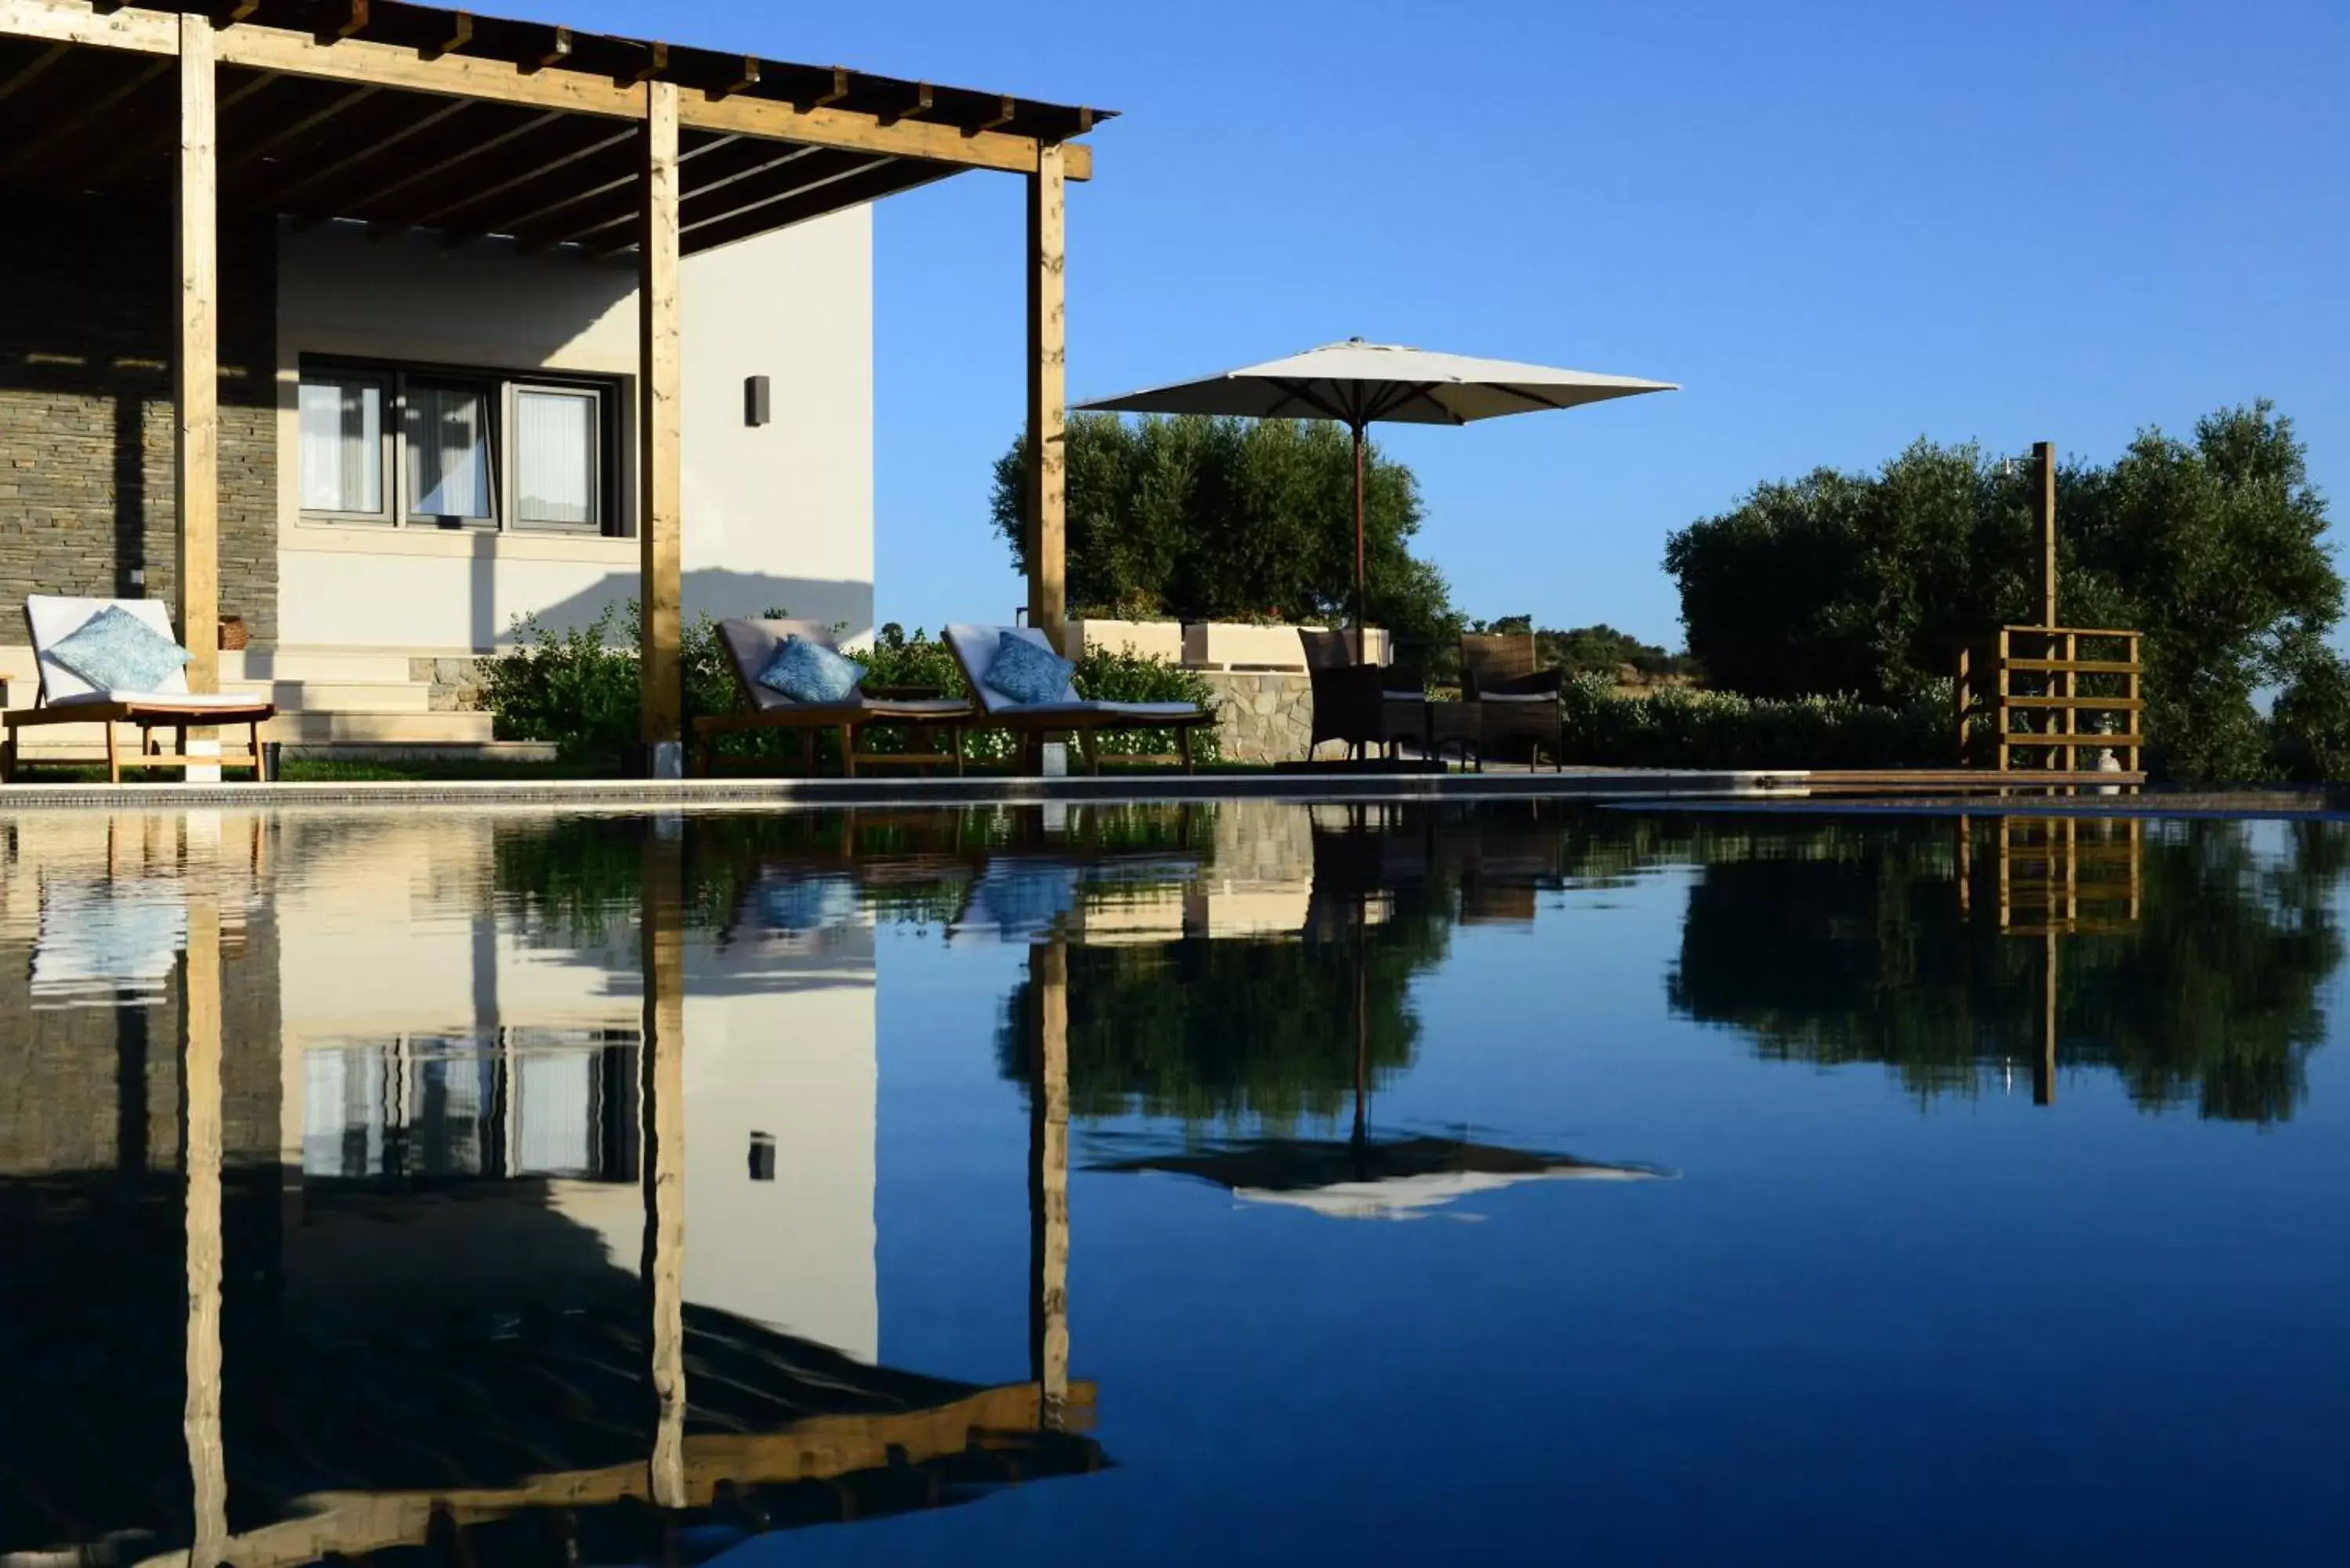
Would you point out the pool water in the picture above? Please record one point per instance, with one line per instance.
(1247, 1182)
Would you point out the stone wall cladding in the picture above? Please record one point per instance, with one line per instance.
(87, 421)
(1262, 718)
(454, 684)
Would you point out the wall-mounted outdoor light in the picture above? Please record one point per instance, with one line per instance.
(757, 402)
(763, 1157)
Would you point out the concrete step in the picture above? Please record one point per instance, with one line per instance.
(339, 696)
(340, 666)
(339, 729)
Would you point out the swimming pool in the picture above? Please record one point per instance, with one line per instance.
(1154, 1183)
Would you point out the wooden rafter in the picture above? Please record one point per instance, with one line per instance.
(557, 50)
(829, 96)
(574, 214)
(439, 216)
(654, 65)
(352, 23)
(770, 179)
(33, 71)
(154, 147)
(868, 184)
(343, 103)
(744, 80)
(1008, 110)
(375, 201)
(303, 184)
(461, 33)
(917, 106)
(90, 113)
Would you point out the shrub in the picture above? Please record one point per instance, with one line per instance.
(579, 688)
(1676, 728)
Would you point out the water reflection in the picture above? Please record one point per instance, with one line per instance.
(504, 1185)
(408, 1265)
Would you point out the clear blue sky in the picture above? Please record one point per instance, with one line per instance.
(1840, 226)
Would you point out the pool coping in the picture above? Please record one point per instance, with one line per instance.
(1612, 785)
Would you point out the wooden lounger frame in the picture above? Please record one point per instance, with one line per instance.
(1084, 723)
(850, 721)
(149, 717)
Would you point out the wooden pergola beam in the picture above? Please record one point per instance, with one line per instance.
(365, 61)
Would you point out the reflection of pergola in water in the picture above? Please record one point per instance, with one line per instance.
(2059, 876)
(811, 1435)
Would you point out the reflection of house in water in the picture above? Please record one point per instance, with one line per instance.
(384, 1218)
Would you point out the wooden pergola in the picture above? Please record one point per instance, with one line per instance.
(415, 116)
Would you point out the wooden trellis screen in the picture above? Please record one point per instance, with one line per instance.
(2053, 694)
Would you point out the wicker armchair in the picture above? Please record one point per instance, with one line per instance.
(1361, 705)
(1517, 700)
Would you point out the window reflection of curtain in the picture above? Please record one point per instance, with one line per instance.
(448, 451)
(342, 446)
(555, 457)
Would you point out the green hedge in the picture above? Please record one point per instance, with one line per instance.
(578, 689)
(1679, 728)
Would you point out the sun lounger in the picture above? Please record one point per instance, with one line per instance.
(751, 644)
(65, 698)
(974, 649)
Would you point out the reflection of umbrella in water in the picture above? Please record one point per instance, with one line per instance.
(1367, 1178)
(1363, 1177)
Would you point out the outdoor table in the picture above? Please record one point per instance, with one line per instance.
(1541, 725)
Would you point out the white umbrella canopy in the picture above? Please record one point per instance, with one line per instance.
(1360, 384)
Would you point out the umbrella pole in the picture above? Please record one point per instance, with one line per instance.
(1362, 588)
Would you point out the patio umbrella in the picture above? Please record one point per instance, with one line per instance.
(1366, 1178)
(1360, 384)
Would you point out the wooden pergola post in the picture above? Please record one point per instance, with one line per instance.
(661, 1134)
(1048, 395)
(1048, 1182)
(2044, 527)
(200, 1162)
(660, 440)
(196, 359)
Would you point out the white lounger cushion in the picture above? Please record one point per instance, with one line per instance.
(55, 618)
(976, 647)
(1126, 709)
(163, 699)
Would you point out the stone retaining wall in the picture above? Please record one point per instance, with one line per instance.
(1262, 718)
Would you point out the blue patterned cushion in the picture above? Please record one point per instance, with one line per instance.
(1028, 672)
(809, 671)
(114, 650)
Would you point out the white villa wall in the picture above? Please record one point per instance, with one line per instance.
(777, 517)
